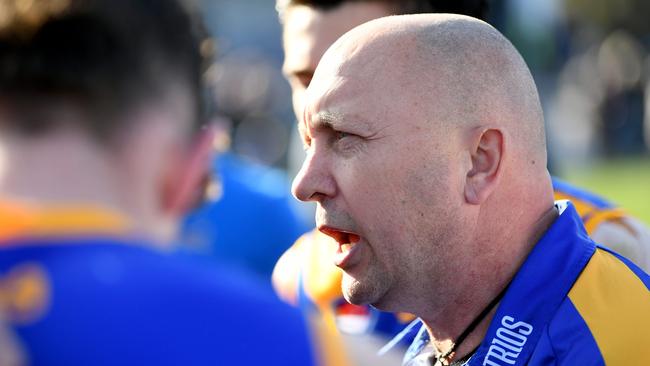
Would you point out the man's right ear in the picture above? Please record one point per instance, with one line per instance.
(487, 153)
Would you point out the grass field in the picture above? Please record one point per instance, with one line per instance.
(625, 182)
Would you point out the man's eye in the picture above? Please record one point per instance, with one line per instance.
(341, 135)
(347, 143)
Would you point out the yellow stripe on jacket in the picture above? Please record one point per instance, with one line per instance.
(592, 216)
(615, 304)
(19, 219)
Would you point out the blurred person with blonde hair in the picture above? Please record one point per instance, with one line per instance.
(101, 151)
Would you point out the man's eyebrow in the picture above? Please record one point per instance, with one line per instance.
(334, 121)
(325, 120)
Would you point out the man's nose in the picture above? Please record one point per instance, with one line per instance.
(314, 181)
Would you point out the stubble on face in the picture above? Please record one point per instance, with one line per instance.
(367, 290)
(408, 225)
(407, 259)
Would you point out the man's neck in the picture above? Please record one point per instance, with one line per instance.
(69, 167)
(471, 317)
(472, 330)
(60, 167)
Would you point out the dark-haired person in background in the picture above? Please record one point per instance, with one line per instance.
(101, 151)
(305, 274)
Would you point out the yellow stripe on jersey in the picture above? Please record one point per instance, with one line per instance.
(591, 215)
(22, 219)
(598, 217)
(615, 304)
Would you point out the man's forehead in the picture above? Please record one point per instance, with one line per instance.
(339, 101)
(325, 92)
(353, 66)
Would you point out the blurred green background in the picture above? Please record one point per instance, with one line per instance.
(624, 181)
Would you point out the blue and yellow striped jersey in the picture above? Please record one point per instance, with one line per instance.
(305, 276)
(571, 303)
(76, 289)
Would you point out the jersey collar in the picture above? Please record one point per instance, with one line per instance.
(19, 220)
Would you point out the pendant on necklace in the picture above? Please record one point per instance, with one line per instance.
(435, 361)
(440, 363)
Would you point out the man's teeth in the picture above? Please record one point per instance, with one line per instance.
(346, 247)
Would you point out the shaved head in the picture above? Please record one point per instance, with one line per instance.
(463, 71)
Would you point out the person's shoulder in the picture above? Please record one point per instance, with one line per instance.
(579, 196)
(127, 263)
(608, 224)
(628, 237)
(141, 300)
(605, 316)
(618, 284)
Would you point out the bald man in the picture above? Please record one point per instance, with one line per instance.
(309, 28)
(427, 161)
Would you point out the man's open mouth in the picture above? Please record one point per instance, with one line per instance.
(347, 241)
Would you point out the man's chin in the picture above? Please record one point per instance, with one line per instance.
(353, 298)
(360, 293)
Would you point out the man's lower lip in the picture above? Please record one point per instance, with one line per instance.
(347, 259)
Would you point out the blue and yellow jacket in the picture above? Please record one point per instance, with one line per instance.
(77, 289)
(571, 303)
(305, 276)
